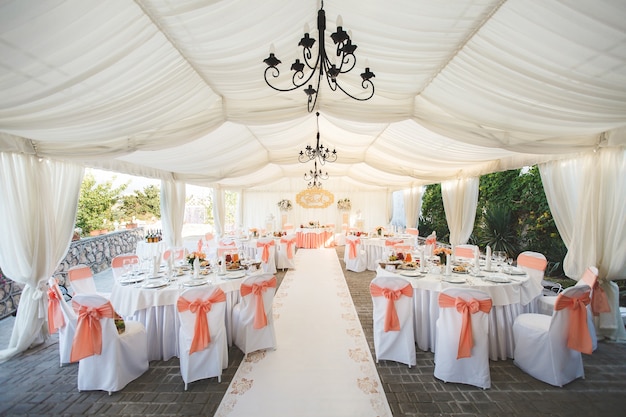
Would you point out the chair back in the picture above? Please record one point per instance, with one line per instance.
(288, 245)
(353, 244)
(177, 254)
(257, 295)
(201, 311)
(599, 300)
(392, 298)
(392, 241)
(569, 322)
(95, 326)
(81, 279)
(288, 227)
(60, 314)
(465, 251)
(119, 262)
(534, 264)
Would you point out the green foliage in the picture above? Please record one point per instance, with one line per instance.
(433, 217)
(95, 204)
(497, 229)
(143, 204)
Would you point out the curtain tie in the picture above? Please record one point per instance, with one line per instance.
(266, 250)
(392, 322)
(260, 318)
(578, 337)
(472, 306)
(201, 332)
(88, 337)
(352, 250)
(55, 315)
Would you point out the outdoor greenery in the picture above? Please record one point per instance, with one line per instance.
(512, 215)
(143, 204)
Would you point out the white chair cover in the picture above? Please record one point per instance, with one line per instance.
(541, 344)
(270, 265)
(124, 357)
(396, 345)
(210, 361)
(357, 263)
(117, 264)
(286, 252)
(81, 279)
(67, 330)
(534, 264)
(245, 335)
(473, 370)
(465, 252)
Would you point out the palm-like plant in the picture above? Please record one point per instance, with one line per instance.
(498, 232)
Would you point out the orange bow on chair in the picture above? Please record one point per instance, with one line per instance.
(466, 308)
(578, 337)
(88, 337)
(260, 319)
(266, 250)
(532, 262)
(392, 322)
(201, 332)
(55, 315)
(290, 243)
(352, 250)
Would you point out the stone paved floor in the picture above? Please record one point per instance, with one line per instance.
(32, 384)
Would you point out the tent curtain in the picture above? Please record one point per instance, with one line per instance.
(587, 196)
(460, 198)
(37, 217)
(219, 211)
(412, 205)
(173, 211)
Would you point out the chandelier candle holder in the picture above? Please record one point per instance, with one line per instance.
(322, 66)
(314, 176)
(320, 153)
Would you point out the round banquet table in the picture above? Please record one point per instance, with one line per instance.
(156, 308)
(314, 238)
(509, 300)
(376, 247)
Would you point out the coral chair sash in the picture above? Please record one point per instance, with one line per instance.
(391, 242)
(464, 252)
(352, 247)
(201, 332)
(79, 273)
(227, 243)
(290, 243)
(266, 250)
(599, 300)
(466, 308)
(260, 318)
(412, 231)
(532, 262)
(55, 315)
(578, 337)
(392, 322)
(88, 337)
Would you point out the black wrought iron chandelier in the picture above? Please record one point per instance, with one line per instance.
(322, 64)
(314, 177)
(320, 153)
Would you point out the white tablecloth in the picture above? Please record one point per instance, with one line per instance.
(376, 248)
(156, 309)
(507, 305)
(315, 238)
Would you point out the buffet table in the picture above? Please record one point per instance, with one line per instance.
(509, 293)
(315, 237)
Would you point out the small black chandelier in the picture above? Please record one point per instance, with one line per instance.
(320, 153)
(322, 65)
(314, 176)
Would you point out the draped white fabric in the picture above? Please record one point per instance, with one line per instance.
(37, 215)
(413, 205)
(175, 90)
(173, 212)
(219, 215)
(460, 198)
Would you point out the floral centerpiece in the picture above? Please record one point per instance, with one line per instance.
(441, 252)
(379, 230)
(201, 256)
(344, 204)
(285, 205)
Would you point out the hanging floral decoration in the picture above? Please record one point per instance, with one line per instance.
(344, 204)
(285, 205)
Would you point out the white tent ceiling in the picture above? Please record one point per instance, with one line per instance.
(175, 89)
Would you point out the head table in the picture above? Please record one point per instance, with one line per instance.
(511, 291)
(152, 301)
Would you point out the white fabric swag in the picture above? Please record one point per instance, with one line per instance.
(412, 205)
(37, 216)
(219, 215)
(173, 212)
(460, 198)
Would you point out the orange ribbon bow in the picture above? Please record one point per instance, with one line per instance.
(352, 243)
(88, 337)
(472, 306)
(55, 315)
(266, 250)
(392, 322)
(578, 337)
(290, 243)
(260, 319)
(201, 332)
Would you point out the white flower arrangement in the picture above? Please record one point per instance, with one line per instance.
(344, 204)
(285, 205)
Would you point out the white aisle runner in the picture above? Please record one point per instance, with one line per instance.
(322, 365)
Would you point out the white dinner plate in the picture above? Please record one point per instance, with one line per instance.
(234, 275)
(156, 284)
(513, 271)
(454, 280)
(194, 283)
(412, 274)
(131, 280)
(497, 279)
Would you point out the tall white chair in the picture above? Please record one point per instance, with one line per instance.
(465, 252)
(202, 340)
(462, 338)
(61, 318)
(414, 233)
(394, 337)
(120, 262)
(534, 264)
(354, 256)
(266, 253)
(286, 252)
(81, 279)
(118, 358)
(549, 348)
(253, 324)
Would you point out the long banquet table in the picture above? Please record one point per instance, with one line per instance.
(510, 299)
(315, 237)
(156, 307)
